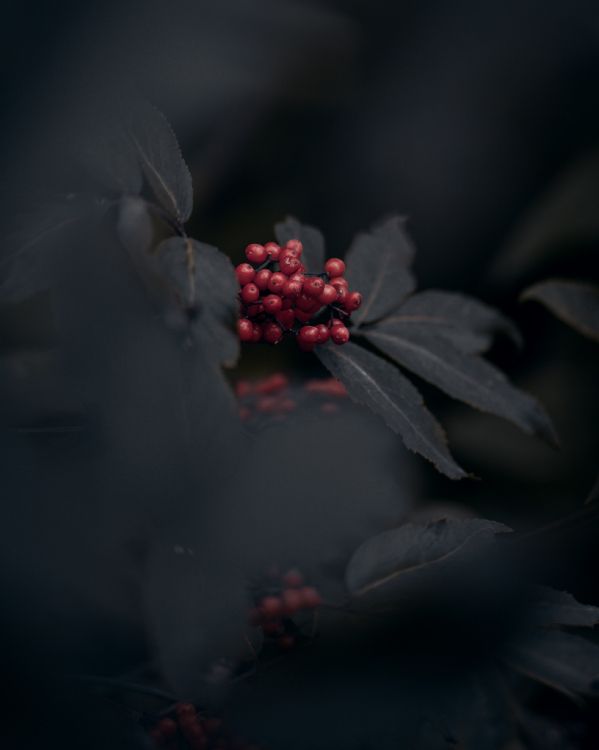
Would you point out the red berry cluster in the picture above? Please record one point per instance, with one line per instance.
(278, 296)
(274, 610)
(185, 728)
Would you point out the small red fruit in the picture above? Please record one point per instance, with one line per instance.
(295, 247)
(293, 579)
(273, 250)
(286, 318)
(313, 286)
(245, 273)
(262, 278)
(311, 598)
(288, 264)
(272, 332)
(323, 333)
(328, 295)
(308, 334)
(334, 267)
(256, 253)
(271, 606)
(292, 288)
(352, 301)
(307, 304)
(340, 334)
(272, 303)
(245, 329)
(292, 601)
(250, 293)
(303, 316)
(277, 282)
(257, 334)
(254, 310)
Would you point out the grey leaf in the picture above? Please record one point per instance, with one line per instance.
(573, 302)
(204, 283)
(378, 267)
(377, 384)
(161, 162)
(552, 607)
(559, 660)
(384, 564)
(314, 247)
(464, 321)
(466, 377)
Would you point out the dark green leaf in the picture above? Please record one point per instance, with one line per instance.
(161, 162)
(386, 563)
(559, 660)
(378, 267)
(204, 284)
(463, 376)
(552, 607)
(377, 384)
(573, 302)
(464, 321)
(313, 256)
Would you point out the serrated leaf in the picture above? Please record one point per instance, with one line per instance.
(313, 256)
(386, 563)
(162, 163)
(378, 267)
(204, 282)
(565, 662)
(382, 388)
(466, 377)
(552, 607)
(573, 302)
(464, 321)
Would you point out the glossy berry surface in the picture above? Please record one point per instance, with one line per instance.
(334, 267)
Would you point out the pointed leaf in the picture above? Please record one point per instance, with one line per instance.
(552, 607)
(463, 376)
(384, 564)
(377, 384)
(313, 256)
(378, 267)
(204, 283)
(573, 302)
(464, 321)
(161, 162)
(559, 660)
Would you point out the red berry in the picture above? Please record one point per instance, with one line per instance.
(336, 322)
(292, 601)
(245, 329)
(311, 598)
(352, 301)
(313, 286)
(338, 281)
(272, 303)
(340, 334)
(256, 253)
(341, 294)
(271, 606)
(308, 334)
(262, 278)
(277, 282)
(303, 316)
(272, 332)
(323, 333)
(288, 264)
(334, 267)
(293, 579)
(273, 250)
(254, 310)
(245, 273)
(257, 334)
(328, 295)
(185, 709)
(286, 318)
(297, 276)
(295, 247)
(292, 288)
(272, 627)
(307, 304)
(250, 293)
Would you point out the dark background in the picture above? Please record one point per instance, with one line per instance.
(462, 116)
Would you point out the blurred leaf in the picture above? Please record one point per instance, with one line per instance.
(552, 607)
(466, 377)
(377, 267)
(375, 383)
(464, 321)
(203, 281)
(382, 565)
(573, 302)
(559, 660)
(313, 255)
(30, 253)
(162, 162)
(566, 214)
